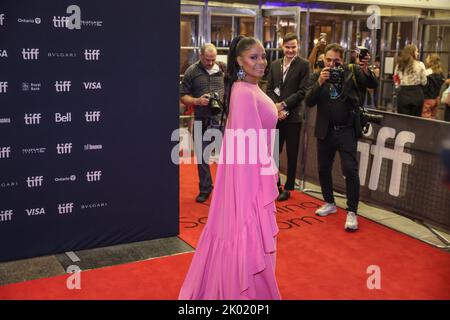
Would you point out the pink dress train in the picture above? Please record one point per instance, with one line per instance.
(235, 256)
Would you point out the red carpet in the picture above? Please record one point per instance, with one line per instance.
(316, 259)
(158, 279)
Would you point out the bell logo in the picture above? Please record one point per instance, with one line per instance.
(30, 54)
(34, 182)
(92, 85)
(3, 87)
(6, 215)
(32, 118)
(93, 176)
(64, 148)
(2, 18)
(91, 54)
(63, 118)
(92, 116)
(64, 208)
(3, 54)
(5, 152)
(63, 86)
(35, 212)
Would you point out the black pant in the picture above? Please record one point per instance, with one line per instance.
(447, 113)
(342, 140)
(289, 132)
(204, 172)
(410, 100)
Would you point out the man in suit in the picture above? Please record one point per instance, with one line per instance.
(287, 83)
(335, 91)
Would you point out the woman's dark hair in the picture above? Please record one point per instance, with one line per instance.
(237, 46)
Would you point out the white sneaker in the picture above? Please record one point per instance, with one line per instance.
(351, 224)
(326, 209)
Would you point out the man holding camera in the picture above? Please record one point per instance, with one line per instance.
(287, 83)
(203, 86)
(335, 91)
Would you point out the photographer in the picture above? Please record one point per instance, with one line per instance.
(335, 92)
(203, 86)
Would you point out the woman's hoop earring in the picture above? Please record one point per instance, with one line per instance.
(241, 74)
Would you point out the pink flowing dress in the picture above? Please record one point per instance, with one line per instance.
(235, 256)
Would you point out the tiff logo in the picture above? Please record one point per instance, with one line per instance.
(33, 182)
(92, 116)
(60, 22)
(3, 86)
(380, 152)
(5, 152)
(63, 118)
(32, 118)
(63, 86)
(30, 54)
(6, 215)
(64, 208)
(64, 148)
(92, 176)
(35, 211)
(91, 54)
(2, 18)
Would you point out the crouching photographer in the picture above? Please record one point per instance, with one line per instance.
(335, 91)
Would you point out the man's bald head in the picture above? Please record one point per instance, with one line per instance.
(208, 54)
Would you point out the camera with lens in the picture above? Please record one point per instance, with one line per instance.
(366, 118)
(336, 74)
(362, 52)
(215, 104)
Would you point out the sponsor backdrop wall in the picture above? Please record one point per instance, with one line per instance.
(88, 101)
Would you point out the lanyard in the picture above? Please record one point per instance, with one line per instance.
(285, 71)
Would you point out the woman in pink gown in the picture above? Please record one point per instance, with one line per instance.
(235, 256)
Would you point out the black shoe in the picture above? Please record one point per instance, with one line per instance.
(202, 197)
(284, 195)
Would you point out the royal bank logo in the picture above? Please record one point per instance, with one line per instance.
(36, 20)
(89, 147)
(94, 205)
(63, 117)
(71, 178)
(32, 118)
(91, 54)
(92, 116)
(93, 176)
(3, 86)
(9, 184)
(27, 151)
(30, 54)
(3, 53)
(2, 19)
(92, 85)
(5, 152)
(35, 211)
(6, 215)
(64, 148)
(35, 181)
(31, 86)
(5, 120)
(64, 208)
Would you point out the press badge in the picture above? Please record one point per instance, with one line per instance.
(277, 91)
